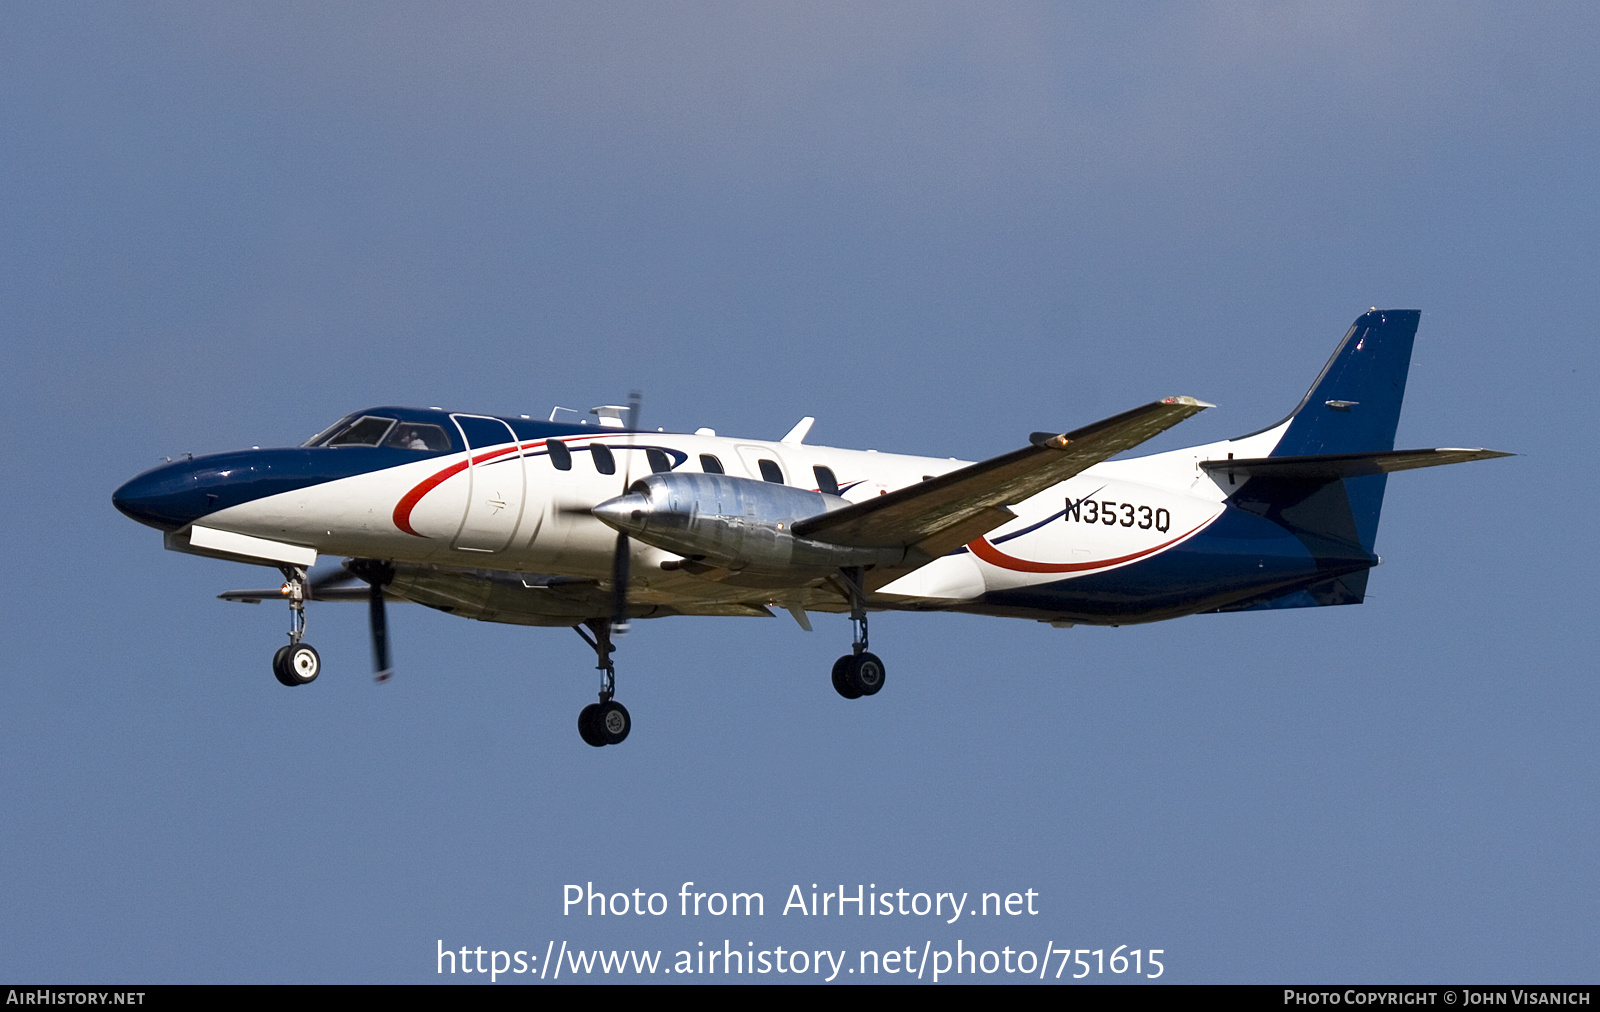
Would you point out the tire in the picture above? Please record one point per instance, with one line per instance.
(278, 670)
(866, 674)
(613, 722)
(300, 665)
(589, 725)
(841, 678)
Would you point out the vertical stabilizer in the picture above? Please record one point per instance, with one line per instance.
(1354, 406)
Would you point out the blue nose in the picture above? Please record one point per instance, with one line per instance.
(166, 498)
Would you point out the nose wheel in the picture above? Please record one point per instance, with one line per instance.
(296, 663)
(606, 722)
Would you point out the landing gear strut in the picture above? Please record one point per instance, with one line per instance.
(606, 722)
(297, 663)
(858, 673)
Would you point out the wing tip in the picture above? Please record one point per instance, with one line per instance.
(1480, 453)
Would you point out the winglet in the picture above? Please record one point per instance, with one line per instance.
(797, 435)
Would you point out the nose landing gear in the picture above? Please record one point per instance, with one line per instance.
(297, 663)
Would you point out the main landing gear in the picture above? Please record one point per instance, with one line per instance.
(606, 722)
(296, 663)
(857, 673)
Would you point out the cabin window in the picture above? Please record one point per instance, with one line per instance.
(560, 456)
(660, 463)
(604, 462)
(770, 471)
(368, 430)
(710, 464)
(826, 482)
(418, 436)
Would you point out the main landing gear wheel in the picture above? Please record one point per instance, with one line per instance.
(841, 679)
(297, 664)
(857, 675)
(606, 722)
(613, 722)
(589, 725)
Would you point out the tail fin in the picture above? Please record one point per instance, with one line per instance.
(1324, 480)
(1354, 406)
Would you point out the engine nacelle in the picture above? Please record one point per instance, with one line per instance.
(734, 523)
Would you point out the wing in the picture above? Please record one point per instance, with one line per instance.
(949, 510)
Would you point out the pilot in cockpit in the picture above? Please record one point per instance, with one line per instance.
(410, 437)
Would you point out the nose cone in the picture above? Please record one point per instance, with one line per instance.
(164, 498)
(627, 513)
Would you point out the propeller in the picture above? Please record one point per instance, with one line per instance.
(378, 574)
(621, 558)
(379, 623)
(334, 577)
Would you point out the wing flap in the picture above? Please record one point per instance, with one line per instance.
(963, 501)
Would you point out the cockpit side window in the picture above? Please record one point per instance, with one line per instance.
(368, 430)
(418, 436)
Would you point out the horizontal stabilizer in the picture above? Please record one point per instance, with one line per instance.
(972, 498)
(1330, 466)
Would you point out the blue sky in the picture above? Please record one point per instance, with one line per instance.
(934, 227)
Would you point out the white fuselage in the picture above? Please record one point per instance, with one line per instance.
(508, 506)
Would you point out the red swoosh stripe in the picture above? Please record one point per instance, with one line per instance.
(995, 557)
(408, 502)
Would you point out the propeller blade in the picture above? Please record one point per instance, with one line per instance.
(328, 580)
(378, 619)
(619, 586)
(378, 575)
(622, 557)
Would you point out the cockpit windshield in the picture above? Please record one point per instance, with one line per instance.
(376, 430)
(368, 430)
(322, 437)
